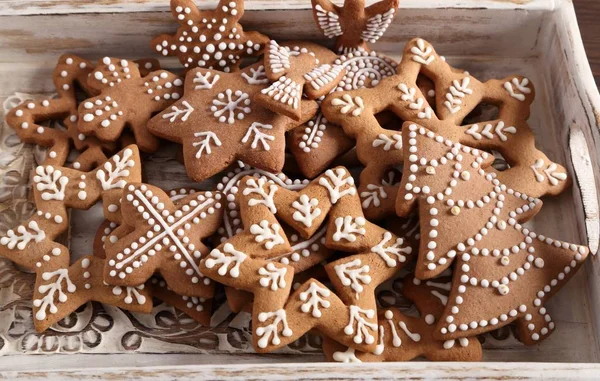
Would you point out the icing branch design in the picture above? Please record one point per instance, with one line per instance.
(204, 144)
(271, 331)
(119, 171)
(458, 90)
(50, 182)
(554, 177)
(348, 227)
(257, 76)
(23, 236)
(520, 86)
(387, 142)
(489, 130)
(259, 136)
(315, 298)
(131, 294)
(334, 181)
(387, 253)
(306, 210)
(349, 105)
(377, 25)
(49, 290)
(204, 82)
(328, 21)
(324, 75)
(257, 186)
(278, 59)
(227, 257)
(270, 235)
(422, 52)
(362, 331)
(273, 276)
(176, 112)
(353, 274)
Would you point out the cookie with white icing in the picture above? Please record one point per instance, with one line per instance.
(61, 287)
(159, 234)
(470, 218)
(457, 94)
(199, 309)
(245, 262)
(297, 70)
(211, 39)
(28, 118)
(218, 122)
(404, 337)
(126, 99)
(353, 25)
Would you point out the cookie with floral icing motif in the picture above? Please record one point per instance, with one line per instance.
(470, 218)
(218, 122)
(280, 316)
(403, 337)
(126, 99)
(353, 25)
(61, 287)
(159, 234)
(297, 70)
(457, 94)
(211, 39)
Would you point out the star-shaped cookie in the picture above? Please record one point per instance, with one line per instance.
(218, 122)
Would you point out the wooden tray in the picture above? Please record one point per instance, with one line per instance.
(490, 38)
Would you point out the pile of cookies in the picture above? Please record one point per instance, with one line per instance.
(300, 254)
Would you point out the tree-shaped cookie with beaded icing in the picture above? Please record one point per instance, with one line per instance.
(353, 25)
(244, 262)
(297, 70)
(126, 99)
(457, 94)
(26, 119)
(159, 234)
(403, 337)
(61, 287)
(218, 123)
(471, 218)
(316, 144)
(211, 39)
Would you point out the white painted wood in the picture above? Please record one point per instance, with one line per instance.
(39, 7)
(490, 38)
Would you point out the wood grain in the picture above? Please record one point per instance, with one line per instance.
(588, 14)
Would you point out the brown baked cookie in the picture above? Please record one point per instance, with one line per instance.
(457, 94)
(26, 119)
(296, 70)
(352, 24)
(403, 337)
(199, 309)
(211, 39)
(218, 123)
(158, 234)
(244, 262)
(126, 99)
(471, 218)
(316, 144)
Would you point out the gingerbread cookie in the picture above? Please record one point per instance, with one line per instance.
(403, 337)
(496, 258)
(297, 70)
(316, 144)
(126, 99)
(199, 309)
(210, 39)
(159, 234)
(217, 122)
(244, 262)
(26, 119)
(60, 289)
(457, 93)
(352, 24)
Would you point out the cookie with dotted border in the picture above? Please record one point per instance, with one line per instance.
(471, 218)
(211, 39)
